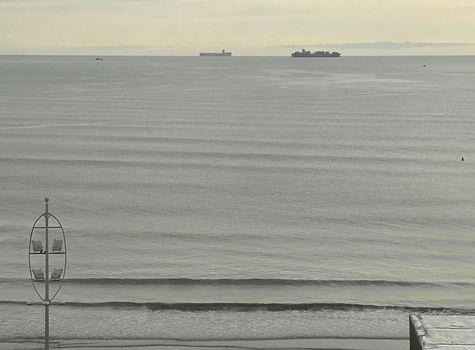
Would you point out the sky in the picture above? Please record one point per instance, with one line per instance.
(245, 27)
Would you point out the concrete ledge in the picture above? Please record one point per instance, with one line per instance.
(416, 332)
(440, 332)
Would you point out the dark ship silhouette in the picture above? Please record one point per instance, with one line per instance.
(219, 54)
(305, 53)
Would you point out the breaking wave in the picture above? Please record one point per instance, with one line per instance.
(263, 282)
(255, 307)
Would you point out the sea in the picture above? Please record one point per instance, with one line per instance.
(211, 200)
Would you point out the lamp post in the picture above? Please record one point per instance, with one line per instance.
(45, 226)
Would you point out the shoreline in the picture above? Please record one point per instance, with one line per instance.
(304, 344)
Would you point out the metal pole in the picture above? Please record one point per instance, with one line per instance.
(46, 302)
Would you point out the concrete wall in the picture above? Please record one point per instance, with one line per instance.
(416, 333)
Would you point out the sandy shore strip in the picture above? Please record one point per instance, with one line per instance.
(286, 344)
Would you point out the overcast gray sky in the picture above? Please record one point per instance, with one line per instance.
(246, 27)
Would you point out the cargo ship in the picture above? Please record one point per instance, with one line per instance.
(305, 53)
(216, 54)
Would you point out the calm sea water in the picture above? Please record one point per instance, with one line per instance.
(239, 198)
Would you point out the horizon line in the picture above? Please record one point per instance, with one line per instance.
(228, 57)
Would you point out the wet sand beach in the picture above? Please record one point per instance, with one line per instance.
(287, 344)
